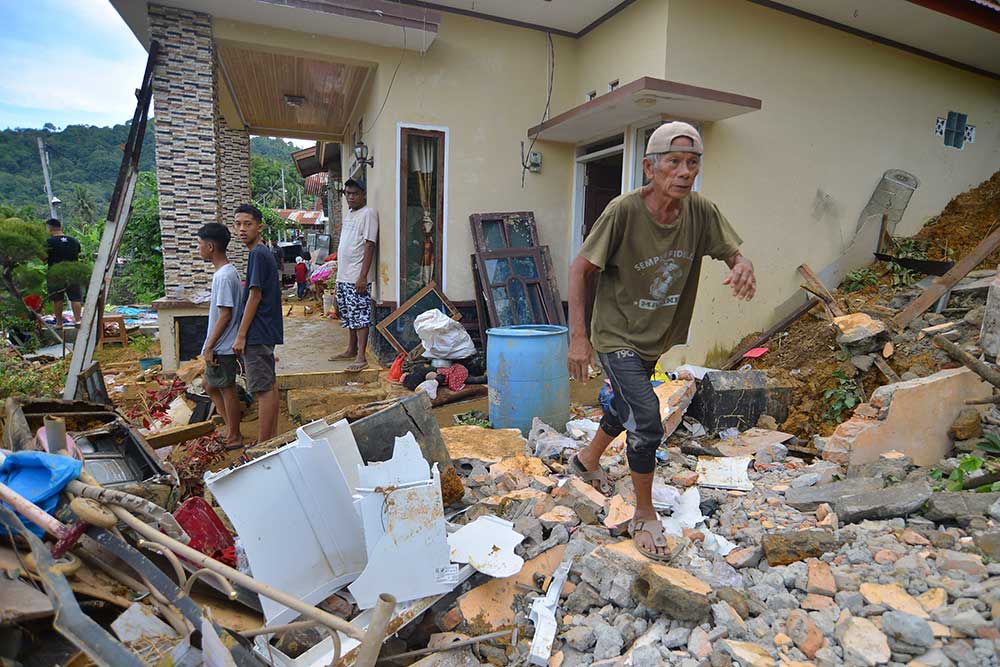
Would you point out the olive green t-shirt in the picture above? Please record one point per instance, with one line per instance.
(649, 272)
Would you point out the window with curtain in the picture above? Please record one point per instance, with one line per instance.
(422, 198)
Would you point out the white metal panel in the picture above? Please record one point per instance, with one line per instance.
(294, 513)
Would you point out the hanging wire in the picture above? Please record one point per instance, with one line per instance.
(548, 104)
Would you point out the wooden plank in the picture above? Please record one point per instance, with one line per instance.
(286, 381)
(941, 285)
(783, 324)
(178, 434)
(817, 288)
(886, 369)
(20, 601)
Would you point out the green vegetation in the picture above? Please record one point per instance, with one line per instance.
(856, 281)
(843, 397)
(907, 248)
(79, 156)
(84, 164)
(956, 479)
(21, 378)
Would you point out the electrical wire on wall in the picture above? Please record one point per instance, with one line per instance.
(545, 114)
(389, 89)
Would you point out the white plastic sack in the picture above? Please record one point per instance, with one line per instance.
(443, 337)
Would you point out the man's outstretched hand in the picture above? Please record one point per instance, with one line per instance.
(581, 354)
(741, 278)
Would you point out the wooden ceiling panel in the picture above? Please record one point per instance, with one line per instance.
(259, 81)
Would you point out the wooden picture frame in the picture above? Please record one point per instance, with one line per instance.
(402, 316)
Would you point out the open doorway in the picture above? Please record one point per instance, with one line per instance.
(602, 182)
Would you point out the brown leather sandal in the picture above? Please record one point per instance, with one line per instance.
(655, 530)
(596, 478)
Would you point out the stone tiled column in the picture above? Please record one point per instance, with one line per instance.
(187, 162)
(233, 182)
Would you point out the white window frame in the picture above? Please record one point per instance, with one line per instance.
(444, 209)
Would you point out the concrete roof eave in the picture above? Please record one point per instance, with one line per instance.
(637, 101)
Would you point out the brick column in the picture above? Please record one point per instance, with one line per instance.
(233, 182)
(184, 90)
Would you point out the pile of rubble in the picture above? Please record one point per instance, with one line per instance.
(816, 564)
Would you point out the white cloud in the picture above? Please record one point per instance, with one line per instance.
(70, 81)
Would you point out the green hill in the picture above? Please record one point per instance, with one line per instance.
(88, 157)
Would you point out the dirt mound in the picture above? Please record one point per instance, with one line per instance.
(965, 221)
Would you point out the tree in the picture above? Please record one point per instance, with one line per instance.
(141, 278)
(83, 223)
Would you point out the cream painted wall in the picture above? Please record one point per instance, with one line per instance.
(629, 45)
(793, 177)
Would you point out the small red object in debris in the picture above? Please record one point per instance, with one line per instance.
(755, 353)
(33, 302)
(396, 370)
(207, 532)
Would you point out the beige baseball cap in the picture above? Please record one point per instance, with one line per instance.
(662, 139)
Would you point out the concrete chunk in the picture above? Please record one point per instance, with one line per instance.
(808, 499)
(894, 501)
(960, 507)
(673, 592)
(795, 545)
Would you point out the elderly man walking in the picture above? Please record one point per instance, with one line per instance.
(647, 246)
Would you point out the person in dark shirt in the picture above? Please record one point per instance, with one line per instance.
(62, 248)
(261, 326)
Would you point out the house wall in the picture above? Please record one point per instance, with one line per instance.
(486, 84)
(629, 45)
(837, 112)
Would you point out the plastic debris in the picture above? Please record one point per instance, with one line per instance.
(487, 544)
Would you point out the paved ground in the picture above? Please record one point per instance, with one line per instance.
(310, 341)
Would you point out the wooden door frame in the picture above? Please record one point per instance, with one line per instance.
(405, 130)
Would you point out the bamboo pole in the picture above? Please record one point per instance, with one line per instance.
(980, 368)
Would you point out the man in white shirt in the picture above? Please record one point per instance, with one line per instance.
(356, 272)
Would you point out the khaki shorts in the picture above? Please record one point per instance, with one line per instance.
(222, 374)
(259, 363)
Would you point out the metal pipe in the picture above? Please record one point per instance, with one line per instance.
(155, 514)
(448, 647)
(275, 629)
(169, 555)
(55, 433)
(186, 552)
(198, 574)
(371, 644)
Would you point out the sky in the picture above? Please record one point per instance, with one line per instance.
(67, 62)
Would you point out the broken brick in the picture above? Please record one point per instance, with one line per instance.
(578, 492)
(673, 592)
(913, 416)
(820, 579)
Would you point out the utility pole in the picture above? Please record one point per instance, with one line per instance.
(284, 204)
(45, 172)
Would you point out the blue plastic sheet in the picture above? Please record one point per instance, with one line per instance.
(38, 477)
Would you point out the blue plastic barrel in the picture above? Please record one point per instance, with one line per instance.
(528, 376)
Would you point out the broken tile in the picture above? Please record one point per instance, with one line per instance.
(491, 605)
(820, 578)
(892, 596)
(620, 512)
